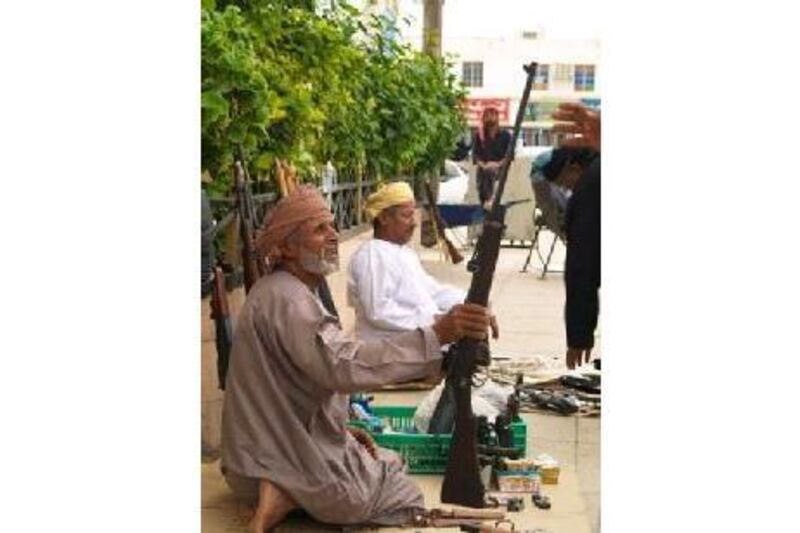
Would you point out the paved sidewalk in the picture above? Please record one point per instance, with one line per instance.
(530, 314)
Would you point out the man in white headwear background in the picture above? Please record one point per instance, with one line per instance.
(387, 286)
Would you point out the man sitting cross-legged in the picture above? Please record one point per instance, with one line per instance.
(386, 284)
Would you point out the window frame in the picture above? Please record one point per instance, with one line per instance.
(537, 84)
(584, 78)
(472, 68)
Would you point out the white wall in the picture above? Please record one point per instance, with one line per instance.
(470, 35)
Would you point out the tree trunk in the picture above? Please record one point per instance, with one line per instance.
(431, 45)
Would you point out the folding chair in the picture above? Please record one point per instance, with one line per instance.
(461, 215)
(550, 215)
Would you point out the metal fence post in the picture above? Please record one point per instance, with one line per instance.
(359, 193)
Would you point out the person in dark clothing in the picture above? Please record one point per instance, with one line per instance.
(582, 271)
(578, 169)
(488, 151)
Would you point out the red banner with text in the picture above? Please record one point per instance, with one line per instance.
(475, 107)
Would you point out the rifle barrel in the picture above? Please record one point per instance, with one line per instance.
(253, 268)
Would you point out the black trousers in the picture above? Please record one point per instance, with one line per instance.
(486, 178)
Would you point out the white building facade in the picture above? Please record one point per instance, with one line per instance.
(489, 58)
(491, 70)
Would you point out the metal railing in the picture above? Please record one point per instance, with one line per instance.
(346, 201)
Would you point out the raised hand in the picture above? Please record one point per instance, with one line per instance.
(577, 119)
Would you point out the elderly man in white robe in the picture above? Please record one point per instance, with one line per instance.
(285, 443)
(387, 286)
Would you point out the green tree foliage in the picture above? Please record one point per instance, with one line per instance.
(281, 80)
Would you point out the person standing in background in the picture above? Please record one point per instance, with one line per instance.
(488, 152)
(582, 269)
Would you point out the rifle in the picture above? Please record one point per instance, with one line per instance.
(493, 455)
(287, 177)
(455, 517)
(220, 312)
(462, 482)
(589, 384)
(280, 178)
(253, 268)
(248, 197)
(495, 528)
(558, 401)
(439, 225)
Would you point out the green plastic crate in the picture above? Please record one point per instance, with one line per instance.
(424, 453)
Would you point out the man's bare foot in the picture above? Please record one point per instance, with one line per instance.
(245, 512)
(273, 506)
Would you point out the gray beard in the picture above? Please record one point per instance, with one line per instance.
(317, 264)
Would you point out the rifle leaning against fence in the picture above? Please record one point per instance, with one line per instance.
(462, 482)
(223, 331)
(438, 222)
(253, 268)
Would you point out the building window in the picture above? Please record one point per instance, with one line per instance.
(528, 137)
(472, 73)
(540, 111)
(544, 138)
(530, 112)
(537, 137)
(584, 77)
(557, 139)
(540, 81)
(563, 73)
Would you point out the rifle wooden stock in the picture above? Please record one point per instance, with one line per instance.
(219, 300)
(250, 262)
(455, 255)
(462, 482)
(223, 332)
(456, 517)
(291, 177)
(286, 177)
(438, 223)
(280, 177)
(467, 513)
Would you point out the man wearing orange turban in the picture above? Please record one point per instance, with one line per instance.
(284, 439)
